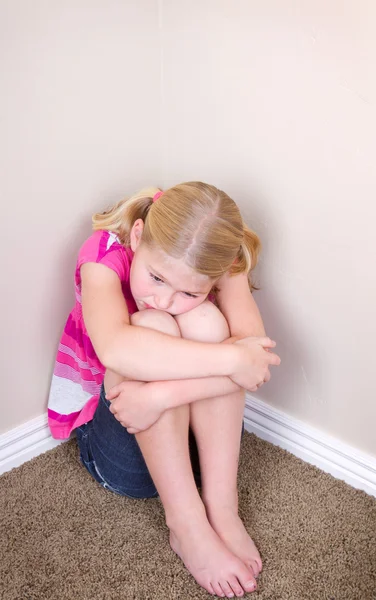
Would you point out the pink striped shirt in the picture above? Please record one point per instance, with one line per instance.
(78, 373)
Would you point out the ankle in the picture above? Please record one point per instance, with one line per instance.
(181, 517)
(219, 503)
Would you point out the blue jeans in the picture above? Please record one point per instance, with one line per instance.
(113, 457)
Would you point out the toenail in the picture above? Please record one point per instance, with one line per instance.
(250, 584)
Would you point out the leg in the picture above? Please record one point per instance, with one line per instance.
(216, 424)
(166, 453)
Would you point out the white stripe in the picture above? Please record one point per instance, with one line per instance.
(66, 396)
(68, 372)
(113, 238)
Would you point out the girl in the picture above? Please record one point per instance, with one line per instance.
(153, 366)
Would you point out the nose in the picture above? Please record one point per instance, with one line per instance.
(163, 302)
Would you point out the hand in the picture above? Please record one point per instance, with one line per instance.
(266, 379)
(252, 369)
(134, 405)
(236, 338)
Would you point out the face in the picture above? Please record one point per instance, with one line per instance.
(162, 282)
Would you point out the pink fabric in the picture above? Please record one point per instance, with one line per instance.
(78, 373)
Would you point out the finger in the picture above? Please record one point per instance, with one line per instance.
(273, 359)
(266, 342)
(113, 392)
(267, 376)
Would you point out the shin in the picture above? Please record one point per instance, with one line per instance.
(165, 444)
(215, 422)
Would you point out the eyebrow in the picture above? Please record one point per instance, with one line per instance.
(166, 280)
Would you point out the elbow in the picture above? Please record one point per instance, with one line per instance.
(111, 354)
(107, 359)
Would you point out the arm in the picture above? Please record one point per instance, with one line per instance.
(131, 351)
(177, 393)
(243, 317)
(137, 405)
(171, 394)
(238, 306)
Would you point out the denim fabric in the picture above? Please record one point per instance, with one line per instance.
(113, 457)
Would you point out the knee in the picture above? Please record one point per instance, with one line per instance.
(205, 323)
(156, 319)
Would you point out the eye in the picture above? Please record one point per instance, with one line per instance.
(155, 278)
(189, 295)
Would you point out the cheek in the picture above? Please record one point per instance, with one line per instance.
(140, 285)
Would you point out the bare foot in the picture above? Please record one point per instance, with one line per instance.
(212, 565)
(228, 525)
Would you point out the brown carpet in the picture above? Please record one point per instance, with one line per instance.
(64, 537)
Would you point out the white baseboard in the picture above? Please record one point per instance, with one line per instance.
(25, 442)
(311, 445)
(343, 462)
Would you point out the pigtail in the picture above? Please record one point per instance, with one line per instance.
(120, 218)
(248, 255)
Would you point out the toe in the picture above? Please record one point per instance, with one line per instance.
(247, 579)
(255, 567)
(210, 589)
(236, 587)
(259, 562)
(248, 583)
(217, 589)
(227, 589)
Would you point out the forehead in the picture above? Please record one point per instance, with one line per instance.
(175, 272)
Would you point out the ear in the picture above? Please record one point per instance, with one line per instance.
(136, 234)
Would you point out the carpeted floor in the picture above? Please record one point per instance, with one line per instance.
(63, 537)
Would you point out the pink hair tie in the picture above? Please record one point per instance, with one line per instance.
(156, 196)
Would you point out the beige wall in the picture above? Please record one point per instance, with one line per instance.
(272, 101)
(80, 118)
(275, 102)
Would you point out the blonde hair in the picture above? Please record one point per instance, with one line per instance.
(192, 221)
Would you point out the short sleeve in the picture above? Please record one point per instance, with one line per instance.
(104, 248)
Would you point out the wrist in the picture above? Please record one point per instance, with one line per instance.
(233, 358)
(161, 394)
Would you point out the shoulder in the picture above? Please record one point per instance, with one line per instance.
(104, 247)
(98, 245)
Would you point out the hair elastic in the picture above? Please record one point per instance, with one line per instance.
(156, 196)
